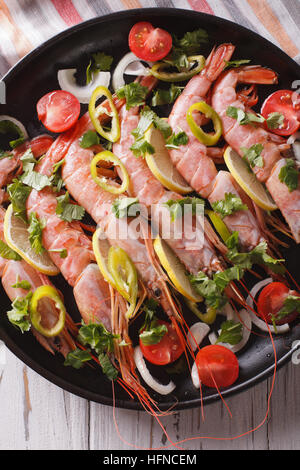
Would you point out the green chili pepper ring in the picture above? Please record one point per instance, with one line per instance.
(204, 137)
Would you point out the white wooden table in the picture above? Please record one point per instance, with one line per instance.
(34, 414)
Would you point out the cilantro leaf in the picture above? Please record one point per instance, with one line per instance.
(149, 307)
(242, 117)
(77, 358)
(35, 230)
(275, 120)
(231, 333)
(209, 290)
(9, 127)
(229, 205)
(177, 207)
(191, 42)
(168, 96)
(148, 117)
(7, 253)
(141, 147)
(236, 63)
(291, 304)
(97, 337)
(88, 139)
(121, 206)
(18, 194)
(289, 175)
(154, 334)
(67, 211)
(22, 285)
(134, 93)
(63, 252)
(35, 180)
(19, 315)
(253, 155)
(99, 62)
(108, 369)
(175, 140)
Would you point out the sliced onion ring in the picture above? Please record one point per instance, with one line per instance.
(130, 64)
(67, 82)
(197, 333)
(147, 377)
(16, 122)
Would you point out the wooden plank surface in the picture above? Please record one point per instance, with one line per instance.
(34, 414)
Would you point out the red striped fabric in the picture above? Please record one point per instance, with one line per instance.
(201, 5)
(67, 11)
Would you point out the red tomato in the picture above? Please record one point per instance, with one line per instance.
(167, 350)
(40, 144)
(271, 300)
(149, 43)
(286, 102)
(58, 110)
(217, 365)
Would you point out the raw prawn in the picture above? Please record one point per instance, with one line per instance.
(195, 161)
(244, 136)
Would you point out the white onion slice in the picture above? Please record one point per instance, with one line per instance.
(16, 122)
(130, 64)
(195, 376)
(147, 377)
(67, 82)
(261, 324)
(197, 333)
(293, 138)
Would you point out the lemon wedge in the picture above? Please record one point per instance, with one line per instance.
(161, 164)
(247, 180)
(175, 270)
(17, 237)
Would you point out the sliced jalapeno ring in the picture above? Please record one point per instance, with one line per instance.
(158, 70)
(124, 274)
(102, 181)
(51, 293)
(208, 317)
(95, 111)
(204, 137)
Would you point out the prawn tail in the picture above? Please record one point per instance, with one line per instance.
(257, 74)
(216, 61)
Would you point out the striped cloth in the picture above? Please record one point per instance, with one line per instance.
(24, 24)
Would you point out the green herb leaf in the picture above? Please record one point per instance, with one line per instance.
(141, 147)
(7, 253)
(236, 63)
(168, 96)
(28, 161)
(253, 155)
(5, 154)
(223, 278)
(231, 333)
(148, 117)
(176, 140)
(77, 358)
(209, 290)
(121, 207)
(134, 93)
(18, 194)
(291, 304)
(154, 335)
(22, 285)
(35, 230)
(242, 117)
(8, 127)
(229, 205)
(289, 175)
(108, 369)
(67, 211)
(88, 139)
(191, 42)
(97, 337)
(35, 180)
(149, 307)
(99, 62)
(19, 315)
(275, 120)
(177, 207)
(63, 252)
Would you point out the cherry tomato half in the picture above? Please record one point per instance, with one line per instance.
(58, 110)
(167, 350)
(149, 43)
(286, 102)
(271, 300)
(217, 365)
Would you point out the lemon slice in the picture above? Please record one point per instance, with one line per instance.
(161, 164)
(247, 180)
(101, 248)
(175, 270)
(17, 237)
